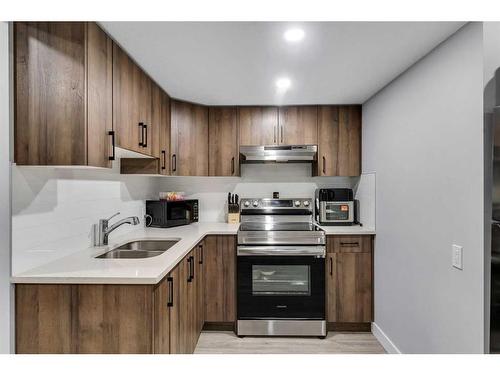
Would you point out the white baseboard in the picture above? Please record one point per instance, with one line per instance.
(384, 340)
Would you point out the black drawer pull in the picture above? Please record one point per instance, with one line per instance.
(201, 254)
(164, 166)
(170, 281)
(350, 244)
(192, 267)
(141, 129)
(174, 162)
(112, 134)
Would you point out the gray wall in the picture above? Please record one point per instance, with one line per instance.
(5, 288)
(423, 136)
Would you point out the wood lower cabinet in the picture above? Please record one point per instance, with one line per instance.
(189, 139)
(349, 279)
(63, 94)
(258, 126)
(220, 279)
(298, 125)
(339, 145)
(223, 141)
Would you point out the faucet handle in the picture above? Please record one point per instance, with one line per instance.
(112, 216)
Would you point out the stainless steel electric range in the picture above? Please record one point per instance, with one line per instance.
(280, 269)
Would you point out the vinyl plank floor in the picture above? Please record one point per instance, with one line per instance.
(216, 342)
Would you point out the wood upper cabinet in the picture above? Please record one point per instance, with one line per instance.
(63, 94)
(160, 139)
(223, 141)
(298, 125)
(220, 279)
(132, 108)
(258, 125)
(349, 279)
(189, 139)
(339, 143)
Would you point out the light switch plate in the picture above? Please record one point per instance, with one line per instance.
(457, 257)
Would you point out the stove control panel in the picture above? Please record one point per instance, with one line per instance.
(272, 203)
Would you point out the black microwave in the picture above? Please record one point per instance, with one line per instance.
(166, 214)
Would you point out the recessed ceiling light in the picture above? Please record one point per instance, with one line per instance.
(283, 83)
(294, 35)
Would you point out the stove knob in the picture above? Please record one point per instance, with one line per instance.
(246, 203)
(306, 203)
(255, 203)
(297, 203)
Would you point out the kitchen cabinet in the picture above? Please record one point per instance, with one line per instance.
(298, 125)
(258, 126)
(161, 123)
(63, 94)
(199, 253)
(223, 141)
(132, 108)
(220, 280)
(349, 280)
(339, 145)
(189, 139)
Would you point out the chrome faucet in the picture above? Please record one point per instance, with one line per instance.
(102, 230)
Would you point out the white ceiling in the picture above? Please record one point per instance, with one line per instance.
(238, 62)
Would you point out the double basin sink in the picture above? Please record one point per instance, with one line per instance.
(139, 249)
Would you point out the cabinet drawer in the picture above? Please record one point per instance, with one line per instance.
(349, 244)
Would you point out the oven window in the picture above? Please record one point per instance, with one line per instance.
(281, 280)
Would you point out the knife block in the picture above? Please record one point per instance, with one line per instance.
(233, 218)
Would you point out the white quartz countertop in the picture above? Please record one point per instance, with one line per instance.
(83, 268)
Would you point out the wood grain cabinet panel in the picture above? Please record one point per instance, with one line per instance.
(189, 139)
(349, 279)
(223, 141)
(339, 140)
(298, 125)
(220, 279)
(161, 121)
(258, 125)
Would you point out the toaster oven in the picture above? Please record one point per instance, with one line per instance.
(336, 207)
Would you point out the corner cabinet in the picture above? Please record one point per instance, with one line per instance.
(339, 142)
(63, 94)
(189, 139)
(349, 282)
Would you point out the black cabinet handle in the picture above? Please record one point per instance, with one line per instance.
(170, 281)
(141, 129)
(164, 166)
(174, 162)
(201, 254)
(331, 266)
(274, 132)
(324, 165)
(112, 134)
(349, 244)
(145, 142)
(192, 267)
(190, 277)
(232, 165)
(281, 133)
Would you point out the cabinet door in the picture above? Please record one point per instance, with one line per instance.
(189, 139)
(50, 120)
(126, 118)
(164, 134)
(162, 308)
(298, 125)
(220, 279)
(200, 288)
(157, 97)
(177, 310)
(349, 281)
(223, 141)
(339, 141)
(258, 125)
(150, 133)
(99, 96)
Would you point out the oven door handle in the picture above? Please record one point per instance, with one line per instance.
(318, 251)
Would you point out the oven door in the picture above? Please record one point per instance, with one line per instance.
(280, 286)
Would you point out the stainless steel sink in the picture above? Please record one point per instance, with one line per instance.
(139, 249)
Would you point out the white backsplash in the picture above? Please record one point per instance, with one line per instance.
(53, 209)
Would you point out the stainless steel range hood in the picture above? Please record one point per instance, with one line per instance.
(279, 154)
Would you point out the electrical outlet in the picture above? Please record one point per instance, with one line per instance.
(457, 257)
